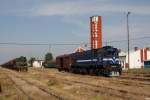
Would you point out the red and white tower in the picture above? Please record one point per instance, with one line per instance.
(96, 32)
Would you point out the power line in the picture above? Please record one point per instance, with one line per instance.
(12, 43)
(75, 44)
(132, 39)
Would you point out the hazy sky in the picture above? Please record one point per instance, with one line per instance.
(67, 21)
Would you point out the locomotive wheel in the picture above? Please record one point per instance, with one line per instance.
(59, 69)
(77, 70)
(106, 73)
(71, 70)
(97, 72)
(26, 69)
(80, 71)
(91, 72)
(87, 71)
(83, 71)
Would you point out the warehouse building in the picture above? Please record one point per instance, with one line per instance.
(139, 58)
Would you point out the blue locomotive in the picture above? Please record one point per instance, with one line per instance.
(103, 61)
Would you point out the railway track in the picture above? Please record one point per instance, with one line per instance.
(92, 87)
(48, 91)
(99, 88)
(135, 78)
(41, 88)
(122, 79)
(20, 89)
(89, 86)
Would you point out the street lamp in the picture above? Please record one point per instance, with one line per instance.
(128, 39)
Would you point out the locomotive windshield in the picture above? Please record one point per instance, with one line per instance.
(108, 52)
(109, 56)
(112, 52)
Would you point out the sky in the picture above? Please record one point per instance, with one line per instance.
(68, 21)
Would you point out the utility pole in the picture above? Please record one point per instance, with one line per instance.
(49, 48)
(128, 35)
(106, 43)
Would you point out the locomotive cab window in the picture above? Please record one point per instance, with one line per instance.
(112, 52)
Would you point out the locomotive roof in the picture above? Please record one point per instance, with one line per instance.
(103, 48)
(65, 55)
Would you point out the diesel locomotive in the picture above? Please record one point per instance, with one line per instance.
(103, 61)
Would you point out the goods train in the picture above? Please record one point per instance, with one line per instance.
(103, 61)
(18, 64)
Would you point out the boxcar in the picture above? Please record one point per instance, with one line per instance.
(18, 64)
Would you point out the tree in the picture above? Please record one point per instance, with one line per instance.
(31, 61)
(48, 57)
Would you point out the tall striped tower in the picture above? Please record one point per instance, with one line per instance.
(96, 32)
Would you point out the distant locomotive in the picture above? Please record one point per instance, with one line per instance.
(18, 64)
(103, 61)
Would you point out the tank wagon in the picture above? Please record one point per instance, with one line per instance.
(18, 64)
(103, 61)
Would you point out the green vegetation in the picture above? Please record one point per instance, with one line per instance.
(21, 61)
(31, 61)
(48, 60)
(48, 57)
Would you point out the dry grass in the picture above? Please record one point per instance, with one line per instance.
(52, 82)
(9, 91)
(138, 71)
(77, 86)
(99, 97)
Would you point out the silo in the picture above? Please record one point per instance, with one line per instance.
(96, 32)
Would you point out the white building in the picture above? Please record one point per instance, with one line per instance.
(38, 64)
(122, 58)
(138, 58)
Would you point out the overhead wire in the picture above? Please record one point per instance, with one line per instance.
(132, 39)
(58, 44)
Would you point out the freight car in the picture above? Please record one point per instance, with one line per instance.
(18, 64)
(103, 61)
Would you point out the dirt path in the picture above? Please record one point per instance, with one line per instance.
(49, 83)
